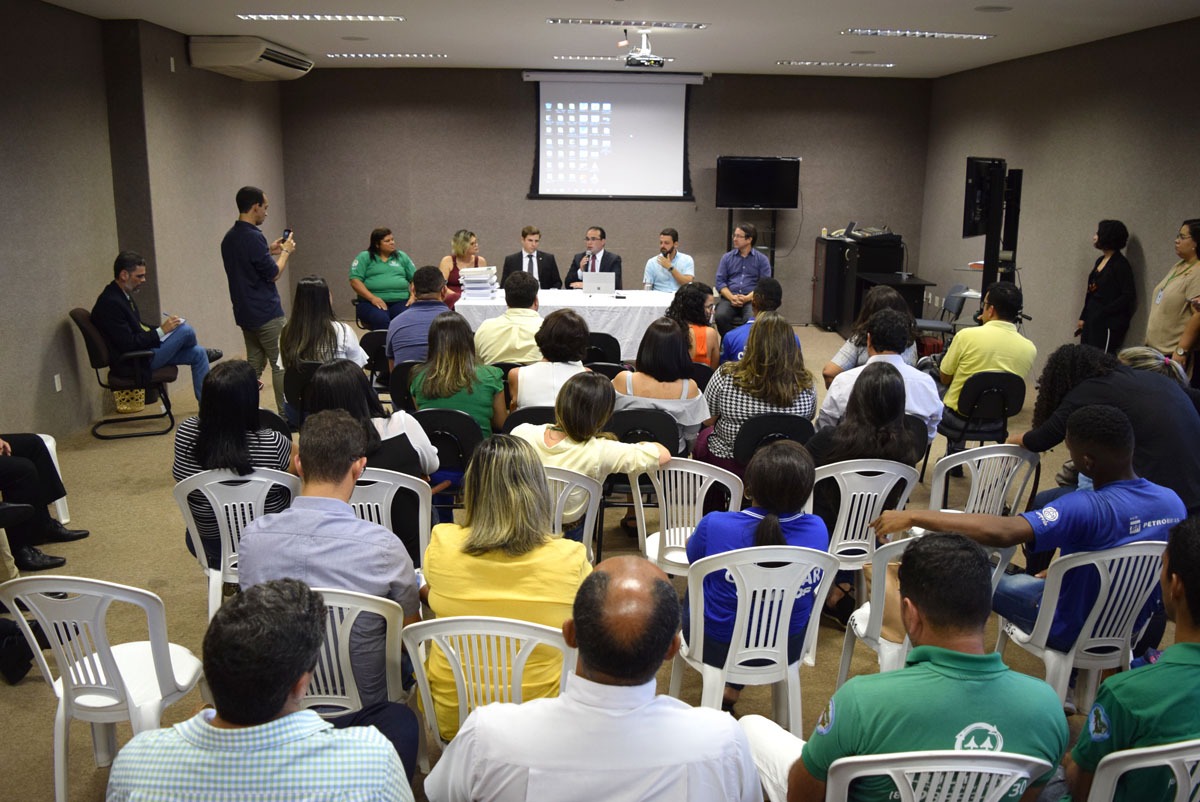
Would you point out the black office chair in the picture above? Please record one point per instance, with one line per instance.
(608, 370)
(295, 380)
(268, 419)
(535, 415)
(455, 435)
(129, 371)
(989, 400)
(759, 430)
(701, 374)
(918, 434)
(602, 348)
(946, 323)
(398, 383)
(505, 367)
(374, 343)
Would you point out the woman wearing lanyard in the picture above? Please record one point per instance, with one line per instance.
(1174, 326)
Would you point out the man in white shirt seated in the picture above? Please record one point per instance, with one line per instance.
(608, 736)
(510, 337)
(669, 269)
(259, 655)
(887, 337)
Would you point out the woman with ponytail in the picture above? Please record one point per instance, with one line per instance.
(779, 480)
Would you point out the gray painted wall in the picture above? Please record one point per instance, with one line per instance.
(1102, 131)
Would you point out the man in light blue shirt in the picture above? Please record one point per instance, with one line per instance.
(259, 654)
(670, 269)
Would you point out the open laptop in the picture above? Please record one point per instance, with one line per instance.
(599, 283)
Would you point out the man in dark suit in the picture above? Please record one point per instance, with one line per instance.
(593, 259)
(172, 343)
(541, 265)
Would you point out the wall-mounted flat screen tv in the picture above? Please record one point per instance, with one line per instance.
(758, 182)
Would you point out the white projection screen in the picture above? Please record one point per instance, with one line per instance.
(604, 135)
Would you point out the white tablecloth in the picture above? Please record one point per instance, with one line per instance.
(624, 318)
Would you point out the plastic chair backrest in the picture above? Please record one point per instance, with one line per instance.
(608, 370)
(377, 488)
(563, 484)
(333, 689)
(954, 302)
(1127, 574)
(608, 347)
(768, 580)
(968, 775)
(268, 419)
(77, 630)
(701, 374)
(296, 379)
(534, 415)
(454, 434)
(236, 501)
(487, 656)
(759, 430)
(864, 485)
(398, 384)
(1182, 759)
(681, 486)
(993, 395)
(645, 425)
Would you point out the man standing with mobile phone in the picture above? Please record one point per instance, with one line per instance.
(253, 268)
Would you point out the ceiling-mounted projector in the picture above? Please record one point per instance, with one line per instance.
(642, 57)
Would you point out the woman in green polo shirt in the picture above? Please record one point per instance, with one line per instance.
(380, 276)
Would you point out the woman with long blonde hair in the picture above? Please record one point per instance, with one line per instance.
(464, 252)
(452, 378)
(769, 378)
(502, 561)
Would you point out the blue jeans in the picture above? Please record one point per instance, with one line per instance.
(375, 318)
(180, 348)
(1017, 598)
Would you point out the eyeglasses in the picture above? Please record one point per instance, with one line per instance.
(591, 239)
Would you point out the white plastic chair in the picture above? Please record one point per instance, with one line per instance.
(100, 682)
(60, 505)
(680, 487)
(971, 775)
(333, 690)
(864, 486)
(1183, 759)
(866, 622)
(487, 656)
(236, 501)
(563, 482)
(1128, 574)
(377, 488)
(768, 580)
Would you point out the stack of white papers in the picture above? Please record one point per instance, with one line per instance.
(479, 282)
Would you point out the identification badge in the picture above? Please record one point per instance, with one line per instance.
(1158, 298)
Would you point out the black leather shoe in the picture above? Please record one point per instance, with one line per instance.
(55, 532)
(214, 354)
(13, 514)
(31, 558)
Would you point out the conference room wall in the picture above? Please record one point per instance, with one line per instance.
(1101, 130)
(57, 213)
(426, 152)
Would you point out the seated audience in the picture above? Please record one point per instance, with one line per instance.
(1157, 704)
(502, 561)
(464, 252)
(770, 377)
(28, 477)
(954, 691)
(511, 337)
(259, 654)
(1143, 357)
(381, 277)
(395, 442)
(853, 353)
(609, 735)
(452, 378)
(779, 480)
(226, 435)
(320, 541)
(563, 342)
(1124, 508)
(887, 331)
(692, 308)
(313, 334)
(577, 441)
(768, 295)
(408, 334)
(663, 381)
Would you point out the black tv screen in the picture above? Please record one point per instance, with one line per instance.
(976, 204)
(758, 182)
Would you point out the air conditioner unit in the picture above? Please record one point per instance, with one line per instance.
(247, 58)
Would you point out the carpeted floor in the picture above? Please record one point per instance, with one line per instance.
(121, 491)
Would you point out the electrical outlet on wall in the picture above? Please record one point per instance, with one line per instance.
(58, 382)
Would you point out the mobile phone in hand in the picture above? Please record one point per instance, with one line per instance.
(287, 233)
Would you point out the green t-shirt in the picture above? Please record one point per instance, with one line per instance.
(942, 699)
(387, 279)
(1149, 706)
(475, 400)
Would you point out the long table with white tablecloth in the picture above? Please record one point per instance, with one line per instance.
(624, 315)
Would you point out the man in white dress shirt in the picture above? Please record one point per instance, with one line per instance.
(887, 337)
(608, 736)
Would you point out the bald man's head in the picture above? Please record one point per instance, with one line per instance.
(626, 620)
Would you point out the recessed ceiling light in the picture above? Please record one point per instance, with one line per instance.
(354, 56)
(321, 17)
(916, 34)
(993, 9)
(861, 52)
(799, 63)
(629, 23)
(597, 58)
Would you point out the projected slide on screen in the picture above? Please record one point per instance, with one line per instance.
(611, 139)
